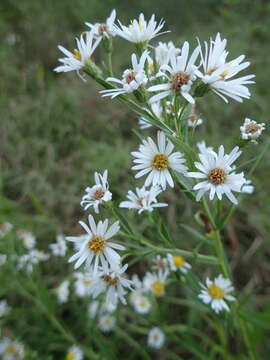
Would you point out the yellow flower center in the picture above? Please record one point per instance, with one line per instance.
(99, 193)
(70, 356)
(224, 74)
(77, 54)
(10, 350)
(158, 288)
(180, 78)
(110, 280)
(160, 162)
(215, 292)
(178, 261)
(217, 176)
(87, 282)
(143, 303)
(96, 244)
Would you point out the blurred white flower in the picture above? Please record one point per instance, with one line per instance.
(104, 30)
(62, 292)
(106, 322)
(157, 160)
(160, 263)
(248, 188)
(5, 229)
(114, 283)
(142, 304)
(28, 239)
(182, 73)
(34, 256)
(155, 282)
(74, 353)
(156, 338)
(217, 72)
(251, 130)
(131, 80)
(143, 200)
(4, 308)
(95, 248)
(83, 283)
(60, 247)
(193, 119)
(86, 45)
(140, 31)
(93, 309)
(216, 293)
(156, 109)
(3, 259)
(218, 174)
(97, 194)
(177, 262)
(11, 350)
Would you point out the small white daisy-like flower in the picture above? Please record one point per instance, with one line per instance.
(95, 248)
(177, 262)
(217, 174)
(164, 51)
(114, 283)
(131, 80)
(83, 283)
(3, 259)
(194, 120)
(4, 308)
(182, 73)
(97, 194)
(138, 288)
(60, 247)
(11, 350)
(157, 160)
(248, 188)
(156, 109)
(216, 293)
(218, 73)
(74, 353)
(62, 292)
(251, 130)
(28, 239)
(86, 45)
(160, 263)
(34, 257)
(106, 322)
(155, 282)
(140, 31)
(156, 338)
(104, 30)
(5, 229)
(143, 200)
(93, 309)
(142, 304)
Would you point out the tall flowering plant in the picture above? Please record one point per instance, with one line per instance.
(162, 86)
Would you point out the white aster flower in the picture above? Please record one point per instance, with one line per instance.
(143, 200)
(179, 74)
(11, 350)
(5, 229)
(104, 30)
(74, 353)
(138, 288)
(251, 130)
(60, 247)
(114, 283)
(157, 111)
(28, 239)
(177, 262)
(218, 174)
(131, 80)
(155, 282)
(97, 194)
(160, 263)
(3, 259)
(62, 292)
(95, 248)
(216, 293)
(142, 304)
(83, 283)
(156, 338)
(4, 308)
(140, 31)
(218, 73)
(164, 51)
(248, 188)
(93, 309)
(194, 120)
(34, 256)
(86, 45)
(106, 322)
(157, 160)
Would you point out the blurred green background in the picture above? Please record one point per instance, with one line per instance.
(56, 130)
